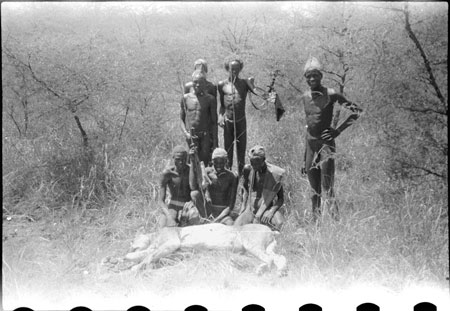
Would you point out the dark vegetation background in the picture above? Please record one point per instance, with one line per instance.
(90, 114)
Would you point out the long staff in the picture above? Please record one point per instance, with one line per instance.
(233, 80)
(198, 171)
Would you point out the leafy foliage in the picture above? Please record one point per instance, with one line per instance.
(104, 80)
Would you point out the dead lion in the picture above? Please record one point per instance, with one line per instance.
(255, 239)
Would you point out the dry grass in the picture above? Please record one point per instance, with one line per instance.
(59, 223)
(385, 238)
(53, 258)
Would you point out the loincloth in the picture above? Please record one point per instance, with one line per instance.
(176, 205)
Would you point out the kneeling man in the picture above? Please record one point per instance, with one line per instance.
(178, 178)
(263, 191)
(221, 190)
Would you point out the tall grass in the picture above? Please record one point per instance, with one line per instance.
(70, 208)
(390, 233)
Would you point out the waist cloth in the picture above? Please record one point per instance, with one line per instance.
(237, 121)
(176, 205)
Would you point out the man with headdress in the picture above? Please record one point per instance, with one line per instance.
(176, 178)
(215, 196)
(320, 144)
(263, 191)
(222, 187)
(210, 88)
(198, 113)
(233, 93)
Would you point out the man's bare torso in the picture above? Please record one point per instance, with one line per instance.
(257, 186)
(198, 111)
(234, 98)
(178, 183)
(221, 187)
(318, 111)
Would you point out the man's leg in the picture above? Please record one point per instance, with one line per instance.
(227, 221)
(204, 152)
(313, 172)
(328, 170)
(228, 138)
(277, 220)
(245, 218)
(197, 199)
(241, 135)
(164, 222)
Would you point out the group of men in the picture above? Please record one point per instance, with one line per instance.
(201, 183)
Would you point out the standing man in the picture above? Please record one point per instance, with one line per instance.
(176, 178)
(233, 92)
(210, 88)
(320, 136)
(221, 190)
(263, 191)
(198, 114)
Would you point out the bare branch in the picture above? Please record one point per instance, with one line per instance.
(295, 87)
(425, 110)
(334, 73)
(385, 8)
(422, 168)
(426, 61)
(330, 51)
(10, 113)
(124, 122)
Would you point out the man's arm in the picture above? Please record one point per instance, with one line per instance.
(214, 130)
(222, 215)
(183, 117)
(212, 89)
(187, 87)
(251, 84)
(221, 120)
(329, 134)
(355, 111)
(260, 211)
(280, 200)
(233, 190)
(192, 162)
(245, 188)
(163, 182)
(207, 182)
(267, 217)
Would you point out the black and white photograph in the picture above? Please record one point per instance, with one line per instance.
(280, 154)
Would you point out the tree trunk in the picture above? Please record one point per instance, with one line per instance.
(82, 131)
(25, 116)
(426, 61)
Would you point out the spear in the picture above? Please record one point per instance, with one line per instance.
(195, 161)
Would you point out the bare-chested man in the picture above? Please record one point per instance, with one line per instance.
(263, 191)
(221, 192)
(210, 88)
(199, 112)
(176, 178)
(233, 93)
(320, 144)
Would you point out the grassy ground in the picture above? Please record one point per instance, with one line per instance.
(391, 241)
(53, 261)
